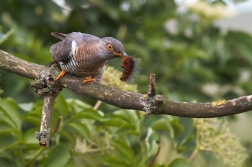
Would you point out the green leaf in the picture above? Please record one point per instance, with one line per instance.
(86, 114)
(177, 126)
(32, 119)
(10, 110)
(7, 120)
(68, 136)
(163, 124)
(77, 104)
(127, 129)
(128, 115)
(180, 162)
(30, 138)
(38, 105)
(113, 161)
(116, 122)
(26, 106)
(6, 128)
(182, 145)
(57, 157)
(81, 129)
(7, 141)
(6, 159)
(62, 105)
(151, 141)
(4, 37)
(125, 151)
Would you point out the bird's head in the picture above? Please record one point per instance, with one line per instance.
(111, 48)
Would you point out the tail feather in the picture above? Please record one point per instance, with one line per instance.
(59, 35)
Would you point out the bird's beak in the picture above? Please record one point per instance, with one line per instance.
(120, 54)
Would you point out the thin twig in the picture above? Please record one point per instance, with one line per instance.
(56, 127)
(156, 155)
(152, 101)
(47, 87)
(97, 105)
(43, 148)
(47, 113)
(152, 86)
(194, 153)
(44, 135)
(35, 156)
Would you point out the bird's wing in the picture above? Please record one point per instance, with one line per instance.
(63, 50)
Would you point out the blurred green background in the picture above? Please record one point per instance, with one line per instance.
(192, 59)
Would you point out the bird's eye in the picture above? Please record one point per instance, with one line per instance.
(109, 47)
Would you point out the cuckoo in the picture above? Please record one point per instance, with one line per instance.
(85, 55)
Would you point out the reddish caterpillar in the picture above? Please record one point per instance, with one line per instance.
(129, 65)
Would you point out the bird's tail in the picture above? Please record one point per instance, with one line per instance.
(59, 35)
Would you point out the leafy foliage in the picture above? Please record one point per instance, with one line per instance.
(91, 136)
(179, 162)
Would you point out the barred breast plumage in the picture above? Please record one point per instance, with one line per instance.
(85, 55)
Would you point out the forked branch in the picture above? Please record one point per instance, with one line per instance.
(158, 104)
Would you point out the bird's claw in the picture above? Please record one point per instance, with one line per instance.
(89, 79)
(60, 75)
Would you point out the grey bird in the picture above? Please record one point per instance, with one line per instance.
(85, 55)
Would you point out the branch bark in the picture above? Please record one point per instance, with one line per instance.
(156, 104)
(45, 86)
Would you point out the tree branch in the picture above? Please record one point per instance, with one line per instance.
(130, 100)
(45, 86)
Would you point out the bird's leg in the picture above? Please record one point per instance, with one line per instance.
(61, 75)
(89, 79)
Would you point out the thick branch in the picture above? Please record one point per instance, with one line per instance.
(130, 100)
(18, 66)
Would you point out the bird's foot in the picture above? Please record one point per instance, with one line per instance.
(89, 79)
(60, 75)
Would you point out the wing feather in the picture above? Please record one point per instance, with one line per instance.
(63, 50)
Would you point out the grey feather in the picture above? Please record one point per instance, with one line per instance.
(61, 51)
